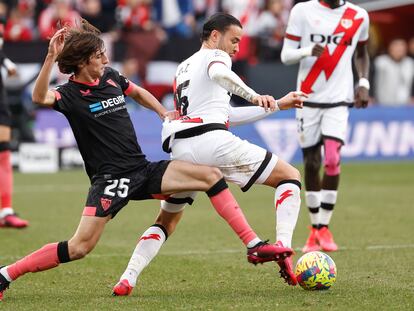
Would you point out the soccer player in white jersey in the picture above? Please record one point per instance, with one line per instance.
(203, 87)
(323, 36)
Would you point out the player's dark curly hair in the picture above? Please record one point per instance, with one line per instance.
(81, 43)
(220, 22)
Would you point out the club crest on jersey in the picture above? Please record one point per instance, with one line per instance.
(346, 23)
(106, 203)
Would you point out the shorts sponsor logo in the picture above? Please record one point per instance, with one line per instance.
(106, 203)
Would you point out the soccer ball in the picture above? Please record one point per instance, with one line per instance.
(315, 271)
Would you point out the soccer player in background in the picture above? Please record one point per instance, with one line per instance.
(323, 36)
(94, 104)
(203, 87)
(8, 218)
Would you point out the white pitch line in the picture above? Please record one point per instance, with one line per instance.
(228, 251)
(375, 247)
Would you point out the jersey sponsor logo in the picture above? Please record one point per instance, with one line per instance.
(151, 236)
(106, 203)
(322, 39)
(111, 102)
(85, 93)
(327, 62)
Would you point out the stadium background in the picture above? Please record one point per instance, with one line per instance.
(374, 134)
(203, 266)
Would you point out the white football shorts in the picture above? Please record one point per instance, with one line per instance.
(315, 123)
(240, 162)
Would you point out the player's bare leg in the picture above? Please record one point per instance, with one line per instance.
(51, 255)
(286, 179)
(8, 217)
(224, 203)
(312, 162)
(210, 180)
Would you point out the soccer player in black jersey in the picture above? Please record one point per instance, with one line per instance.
(93, 102)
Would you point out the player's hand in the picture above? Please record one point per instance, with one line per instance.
(57, 42)
(171, 115)
(265, 101)
(292, 100)
(361, 97)
(317, 50)
(11, 72)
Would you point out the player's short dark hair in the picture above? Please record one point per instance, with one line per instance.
(219, 22)
(81, 43)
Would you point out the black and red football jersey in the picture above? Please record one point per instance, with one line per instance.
(101, 123)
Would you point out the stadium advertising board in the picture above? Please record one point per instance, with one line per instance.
(374, 134)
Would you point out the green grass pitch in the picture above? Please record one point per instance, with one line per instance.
(203, 265)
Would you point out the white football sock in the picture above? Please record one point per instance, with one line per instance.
(147, 248)
(6, 211)
(313, 201)
(287, 202)
(4, 272)
(253, 242)
(327, 205)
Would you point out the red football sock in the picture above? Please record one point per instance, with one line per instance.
(228, 208)
(40, 260)
(6, 179)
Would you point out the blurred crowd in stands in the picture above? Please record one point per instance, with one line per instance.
(146, 24)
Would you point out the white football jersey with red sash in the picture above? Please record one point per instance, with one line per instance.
(328, 79)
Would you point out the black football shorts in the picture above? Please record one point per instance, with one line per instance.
(5, 115)
(109, 194)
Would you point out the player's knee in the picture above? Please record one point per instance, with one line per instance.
(292, 174)
(213, 176)
(295, 174)
(332, 165)
(332, 157)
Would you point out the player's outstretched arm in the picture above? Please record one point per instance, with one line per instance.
(146, 99)
(227, 79)
(244, 115)
(41, 94)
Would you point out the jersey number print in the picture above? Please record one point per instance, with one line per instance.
(181, 99)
